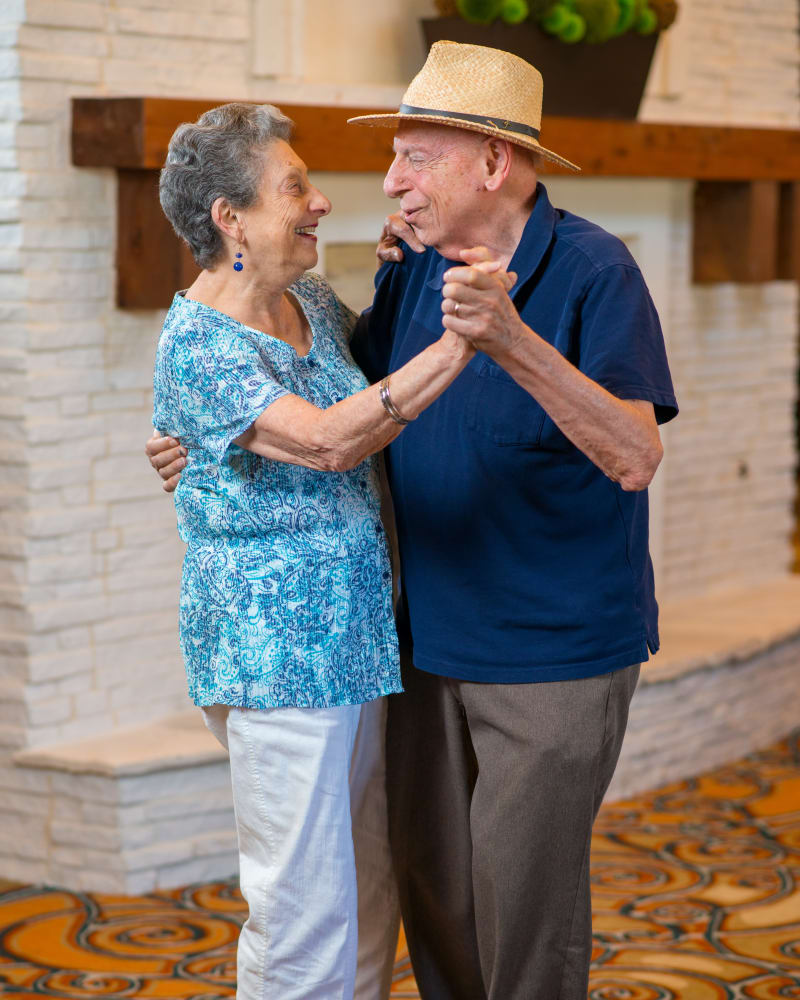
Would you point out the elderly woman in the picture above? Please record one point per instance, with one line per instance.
(286, 618)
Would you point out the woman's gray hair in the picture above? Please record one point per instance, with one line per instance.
(219, 156)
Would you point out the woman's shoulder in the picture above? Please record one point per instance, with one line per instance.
(190, 325)
(313, 287)
(182, 319)
(319, 298)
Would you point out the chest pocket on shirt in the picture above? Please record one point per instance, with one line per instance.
(501, 410)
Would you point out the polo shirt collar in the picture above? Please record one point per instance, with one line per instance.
(536, 238)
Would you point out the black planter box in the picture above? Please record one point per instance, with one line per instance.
(580, 80)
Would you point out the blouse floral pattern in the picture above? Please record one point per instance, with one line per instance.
(286, 594)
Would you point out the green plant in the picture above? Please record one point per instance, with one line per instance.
(601, 19)
(647, 22)
(515, 11)
(480, 11)
(629, 11)
(486, 11)
(593, 21)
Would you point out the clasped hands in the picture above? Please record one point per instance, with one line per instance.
(475, 301)
(475, 307)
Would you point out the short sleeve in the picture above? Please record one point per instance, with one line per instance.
(211, 384)
(621, 342)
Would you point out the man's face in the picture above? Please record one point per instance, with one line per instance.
(437, 176)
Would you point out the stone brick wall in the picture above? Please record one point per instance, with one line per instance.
(13, 390)
(97, 546)
(730, 475)
(731, 62)
(731, 456)
(681, 727)
(122, 834)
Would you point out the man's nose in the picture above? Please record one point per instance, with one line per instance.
(393, 182)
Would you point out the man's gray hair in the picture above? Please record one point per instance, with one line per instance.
(219, 156)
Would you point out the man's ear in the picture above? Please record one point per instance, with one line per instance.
(225, 218)
(498, 162)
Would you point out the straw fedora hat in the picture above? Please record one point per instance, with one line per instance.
(477, 88)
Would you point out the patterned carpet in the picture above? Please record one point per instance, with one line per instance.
(696, 892)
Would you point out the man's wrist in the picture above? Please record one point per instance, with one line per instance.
(515, 347)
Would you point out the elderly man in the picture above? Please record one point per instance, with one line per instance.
(527, 597)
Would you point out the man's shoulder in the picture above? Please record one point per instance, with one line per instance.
(413, 262)
(394, 277)
(590, 243)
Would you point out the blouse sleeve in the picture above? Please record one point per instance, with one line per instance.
(211, 383)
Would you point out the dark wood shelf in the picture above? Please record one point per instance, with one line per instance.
(133, 132)
(747, 217)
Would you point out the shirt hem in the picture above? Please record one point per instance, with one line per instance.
(259, 704)
(536, 674)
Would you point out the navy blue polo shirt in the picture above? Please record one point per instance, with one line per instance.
(520, 560)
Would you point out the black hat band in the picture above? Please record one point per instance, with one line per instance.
(498, 123)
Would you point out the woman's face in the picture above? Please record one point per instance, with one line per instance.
(279, 229)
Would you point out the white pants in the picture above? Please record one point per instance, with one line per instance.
(310, 801)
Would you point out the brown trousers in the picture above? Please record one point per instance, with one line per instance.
(493, 790)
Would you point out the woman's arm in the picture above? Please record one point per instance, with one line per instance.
(340, 437)
(294, 430)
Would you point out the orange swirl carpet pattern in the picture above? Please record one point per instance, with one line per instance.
(696, 897)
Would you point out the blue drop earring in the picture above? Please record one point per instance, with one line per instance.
(237, 264)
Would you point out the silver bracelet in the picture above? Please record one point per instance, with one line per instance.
(389, 406)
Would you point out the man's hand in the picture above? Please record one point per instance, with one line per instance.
(168, 457)
(395, 228)
(476, 304)
(619, 435)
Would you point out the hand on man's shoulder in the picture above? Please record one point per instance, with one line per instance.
(396, 230)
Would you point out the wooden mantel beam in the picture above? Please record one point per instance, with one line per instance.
(133, 132)
(746, 207)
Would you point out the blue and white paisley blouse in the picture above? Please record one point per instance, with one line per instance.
(286, 595)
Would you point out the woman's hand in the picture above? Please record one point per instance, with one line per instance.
(476, 304)
(395, 228)
(168, 457)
